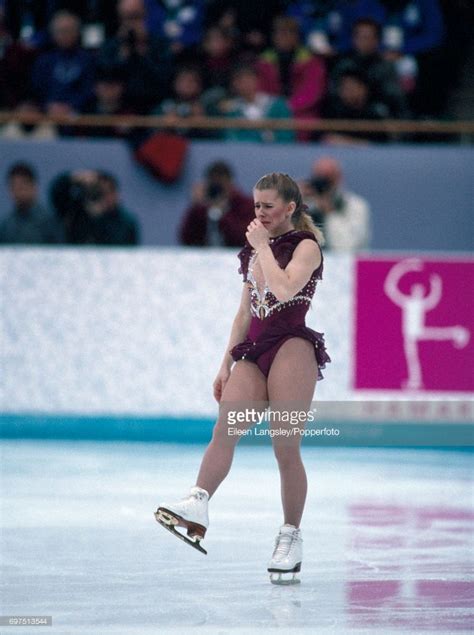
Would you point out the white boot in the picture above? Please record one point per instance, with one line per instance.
(287, 555)
(190, 512)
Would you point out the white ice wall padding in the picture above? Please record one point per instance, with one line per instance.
(136, 332)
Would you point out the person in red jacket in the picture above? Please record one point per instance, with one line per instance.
(291, 70)
(219, 212)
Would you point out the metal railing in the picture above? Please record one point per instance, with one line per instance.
(395, 127)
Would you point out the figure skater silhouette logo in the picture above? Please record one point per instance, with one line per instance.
(414, 306)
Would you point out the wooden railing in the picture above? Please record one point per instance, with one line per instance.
(463, 129)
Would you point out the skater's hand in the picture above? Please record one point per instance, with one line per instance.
(220, 382)
(257, 234)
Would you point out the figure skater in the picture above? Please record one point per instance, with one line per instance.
(272, 358)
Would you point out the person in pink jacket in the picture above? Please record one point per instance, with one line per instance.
(291, 70)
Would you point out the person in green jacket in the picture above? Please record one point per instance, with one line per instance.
(249, 102)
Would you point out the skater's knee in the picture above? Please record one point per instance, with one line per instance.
(286, 454)
(220, 433)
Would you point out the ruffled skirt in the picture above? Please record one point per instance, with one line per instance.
(263, 349)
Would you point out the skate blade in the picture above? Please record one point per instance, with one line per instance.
(276, 575)
(170, 522)
(283, 581)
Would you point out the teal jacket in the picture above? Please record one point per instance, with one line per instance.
(275, 108)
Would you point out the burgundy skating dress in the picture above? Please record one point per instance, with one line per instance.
(273, 322)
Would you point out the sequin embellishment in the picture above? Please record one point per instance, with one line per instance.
(263, 304)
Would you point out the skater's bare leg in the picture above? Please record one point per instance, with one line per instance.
(292, 379)
(245, 386)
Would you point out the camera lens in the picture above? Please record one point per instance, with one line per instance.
(320, 184)
(214, 190)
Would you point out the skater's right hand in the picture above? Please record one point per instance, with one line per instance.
(220, 382)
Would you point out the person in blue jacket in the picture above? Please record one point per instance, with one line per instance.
(62, 78)
(177, 21)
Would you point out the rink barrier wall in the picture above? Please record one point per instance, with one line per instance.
(449, 436)
(120, 344)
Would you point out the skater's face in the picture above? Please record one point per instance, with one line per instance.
(272, 211)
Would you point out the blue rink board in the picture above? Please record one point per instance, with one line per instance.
(199, 430)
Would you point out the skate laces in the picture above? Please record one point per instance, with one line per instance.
(283, 543)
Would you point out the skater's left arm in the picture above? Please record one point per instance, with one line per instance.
(284, 283)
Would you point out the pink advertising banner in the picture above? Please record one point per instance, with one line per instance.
(414, 324)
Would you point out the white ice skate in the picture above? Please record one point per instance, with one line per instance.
(191, 513)
(287, 556)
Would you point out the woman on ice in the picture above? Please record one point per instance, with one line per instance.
(272, 359)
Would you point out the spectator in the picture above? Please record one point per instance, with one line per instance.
(415, 25)
(62, 78)
(343, 215)
(291, 70)
(28, 20)
(114, 224)
(219, 213)
(188, 100)
(218, 57)
(247, 21)
(179, 22)
(414, 30)
(322, 25)
(144, 59)
(353, 100)
(15, 67)
(108, 99)
(381, 74)
(29, 222)
(15, 130)
(252, 104)
(89, 203)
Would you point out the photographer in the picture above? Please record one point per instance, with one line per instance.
(144, 60)
(343, 216)
(29, 222)
(219, 213)
(88, 201)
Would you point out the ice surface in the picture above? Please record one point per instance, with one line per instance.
(388, 542)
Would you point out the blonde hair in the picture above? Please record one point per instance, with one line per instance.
(289, 191)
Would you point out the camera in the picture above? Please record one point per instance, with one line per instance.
(320, 184)
(85, 194)
(214, 190)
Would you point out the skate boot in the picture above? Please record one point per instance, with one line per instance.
(191, 513)
(287, 556)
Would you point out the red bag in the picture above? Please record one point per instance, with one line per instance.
(163, 154)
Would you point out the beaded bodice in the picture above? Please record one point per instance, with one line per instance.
(263, 303)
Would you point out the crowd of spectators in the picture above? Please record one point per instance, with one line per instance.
(369, 59)
(84, 208)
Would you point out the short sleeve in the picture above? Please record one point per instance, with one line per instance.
(283, 251)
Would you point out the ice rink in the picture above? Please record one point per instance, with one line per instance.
(388, 542)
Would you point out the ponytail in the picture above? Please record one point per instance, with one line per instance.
(305, 223)
(289, 191)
